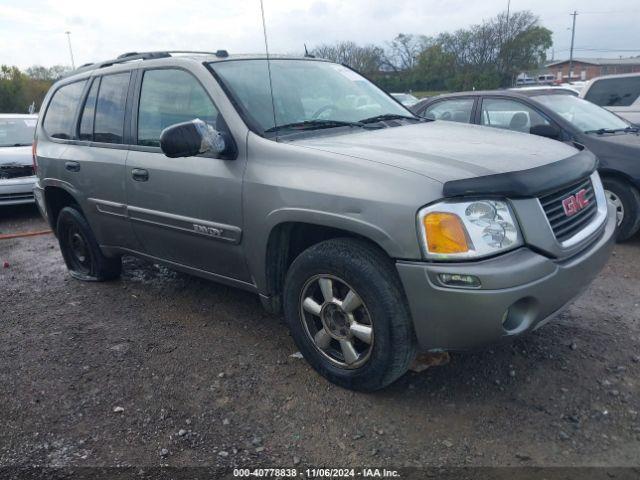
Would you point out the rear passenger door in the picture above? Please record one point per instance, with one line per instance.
(94, 160)
(510, 114)
(183, 210)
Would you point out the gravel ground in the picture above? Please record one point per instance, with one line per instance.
(163, 368)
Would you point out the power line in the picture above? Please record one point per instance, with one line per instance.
(589, 49)
(619, 12)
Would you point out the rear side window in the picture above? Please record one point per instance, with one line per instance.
(88, 112)
(168, 97)
(58, 122)
(109, 115)
(614, 92)
(457, 110)
(510, 115)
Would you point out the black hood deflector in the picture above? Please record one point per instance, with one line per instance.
(533, 182)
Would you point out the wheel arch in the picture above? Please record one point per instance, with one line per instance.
(58, 195)
(292, 235)
(618, 175)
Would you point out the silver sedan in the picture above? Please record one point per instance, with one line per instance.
(17, 175)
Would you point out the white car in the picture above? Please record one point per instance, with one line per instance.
(17, 175)
(405, 99)
(617, 93)
(568, 89)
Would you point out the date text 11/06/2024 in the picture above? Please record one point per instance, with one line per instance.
(316, 472)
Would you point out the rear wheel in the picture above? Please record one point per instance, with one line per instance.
(80, 250)
(626, 201)
(348, 315)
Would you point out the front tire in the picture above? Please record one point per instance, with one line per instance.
(626, 200)
(80, 250)
(348, 315)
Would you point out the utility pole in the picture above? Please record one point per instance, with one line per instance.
(573, 36)
(73, 63)
(508, 11)
(505, 38)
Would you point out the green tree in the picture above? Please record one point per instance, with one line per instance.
(483, 56)
(367, 59)
(13, 94)
(434, 69)
(19, 90)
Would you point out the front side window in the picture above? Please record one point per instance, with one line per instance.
(110, 106)
(58, 121)
(457, 110)
(17, 132)
(169, 97)
(510, 115)
(303, 91)
(583, 115)
(614, 92)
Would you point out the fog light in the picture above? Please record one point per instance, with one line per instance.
(457, 280)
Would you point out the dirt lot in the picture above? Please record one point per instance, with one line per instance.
(163, 368)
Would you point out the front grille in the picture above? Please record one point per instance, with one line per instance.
(15, 171)
(565, 227)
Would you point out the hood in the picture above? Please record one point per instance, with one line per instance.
(445, 151)
(609, 141)
(15, 156)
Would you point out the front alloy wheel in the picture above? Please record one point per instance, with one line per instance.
(613, 199)
(337, 321)
(625, 199)
(346, 309)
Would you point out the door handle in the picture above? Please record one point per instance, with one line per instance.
(72, 166)
(140, 175)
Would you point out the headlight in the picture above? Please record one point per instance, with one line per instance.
(454, 230)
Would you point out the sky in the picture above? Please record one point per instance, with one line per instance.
(32, 32)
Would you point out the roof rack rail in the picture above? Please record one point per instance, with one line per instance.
(217, 53)
(129, 56)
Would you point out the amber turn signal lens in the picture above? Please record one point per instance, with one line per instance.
(445, 233)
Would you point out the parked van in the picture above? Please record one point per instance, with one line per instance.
(618, 93)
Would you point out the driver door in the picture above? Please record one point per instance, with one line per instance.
(185, 211)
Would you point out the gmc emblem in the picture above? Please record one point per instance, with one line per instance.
(575, 203)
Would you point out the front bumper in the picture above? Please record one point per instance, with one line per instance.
(521, 291)
(17, 191)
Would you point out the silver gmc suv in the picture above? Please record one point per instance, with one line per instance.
(378, 234)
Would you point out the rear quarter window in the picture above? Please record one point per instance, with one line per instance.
(58, 120)
(614, 92)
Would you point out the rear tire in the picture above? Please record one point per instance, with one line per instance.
(357, 299)
(80, 249)
(627, 202)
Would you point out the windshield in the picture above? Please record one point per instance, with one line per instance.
(16, 131)
(303, 91)
(582, 114)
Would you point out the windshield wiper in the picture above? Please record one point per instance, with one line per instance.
(602, 131)
(314, 125)
(391, 116)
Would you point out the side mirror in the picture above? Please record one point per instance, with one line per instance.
(547, 131)
(188, 139)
